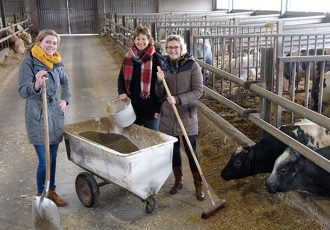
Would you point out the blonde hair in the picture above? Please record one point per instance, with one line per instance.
(178, 38)
(145, 31)
(44, 33)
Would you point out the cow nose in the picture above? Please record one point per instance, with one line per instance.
(224, 175)
(271, 188)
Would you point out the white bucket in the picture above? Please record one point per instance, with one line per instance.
(121, 112)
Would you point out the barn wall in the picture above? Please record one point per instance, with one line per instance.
(129, 6)
(12, 8)
(50, 13)
(184, 5)
(53, 14)
(31, 12)
(81, 17)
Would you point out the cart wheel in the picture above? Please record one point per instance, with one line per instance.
(150, 204)
(87, 189)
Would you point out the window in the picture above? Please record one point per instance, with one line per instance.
(309, 6)
(275, 5)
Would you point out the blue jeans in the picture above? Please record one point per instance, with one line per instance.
(41, 171)
(177, 160)
(151, 124)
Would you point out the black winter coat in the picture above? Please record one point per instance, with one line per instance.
(144, 109)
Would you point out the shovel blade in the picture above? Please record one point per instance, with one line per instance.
(45, 214)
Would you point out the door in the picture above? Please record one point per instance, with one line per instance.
(68, 17)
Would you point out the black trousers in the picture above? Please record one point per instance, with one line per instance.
(177, 160)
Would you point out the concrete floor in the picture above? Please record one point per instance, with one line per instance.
(93, 74)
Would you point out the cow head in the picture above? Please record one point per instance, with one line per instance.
(285, 173)
(239, 164)
(326, 89)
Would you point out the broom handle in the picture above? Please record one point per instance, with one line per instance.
(188, 142)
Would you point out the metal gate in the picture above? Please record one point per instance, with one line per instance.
(68, 16)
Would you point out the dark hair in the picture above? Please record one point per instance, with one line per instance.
(145, 31)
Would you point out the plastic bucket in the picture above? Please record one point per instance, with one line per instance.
(121, 112)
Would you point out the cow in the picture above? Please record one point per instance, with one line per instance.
(243, 63)
(16, 43)
(204, 51)
(302, 66)
(25, 36)
(326, 92)
(206, 56)
(301, 72)
(287, 73)
(260, 158)
(294, 172)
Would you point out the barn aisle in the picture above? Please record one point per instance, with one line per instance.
(93, 68)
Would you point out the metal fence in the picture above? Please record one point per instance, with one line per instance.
(268, 53)
(4, 37)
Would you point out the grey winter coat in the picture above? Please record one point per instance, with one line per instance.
(185, 82)
(29, 67)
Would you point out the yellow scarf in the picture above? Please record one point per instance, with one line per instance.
(45, 59)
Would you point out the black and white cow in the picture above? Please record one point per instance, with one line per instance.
(288, 71)
(315, 76)
(294, 172)
(260, 158)
(301, 67)
(316, 90)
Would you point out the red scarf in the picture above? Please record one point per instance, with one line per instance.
(146, 69)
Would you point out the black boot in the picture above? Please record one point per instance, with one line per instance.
(198, 186)
(178, 184)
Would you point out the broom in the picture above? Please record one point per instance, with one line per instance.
(215, 206)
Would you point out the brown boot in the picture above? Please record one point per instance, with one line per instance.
(56, 199)
(178, 184)
(198, 186)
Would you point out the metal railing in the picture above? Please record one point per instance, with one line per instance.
(16, 32)
(281, 45)
(258, 120)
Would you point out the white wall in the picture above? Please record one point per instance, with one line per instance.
(257, 5)
(184, 5)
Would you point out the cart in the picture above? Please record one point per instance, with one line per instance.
(142, 172)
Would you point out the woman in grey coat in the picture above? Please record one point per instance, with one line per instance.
(184, 79)
(43, 64)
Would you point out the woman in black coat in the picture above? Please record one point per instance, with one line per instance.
(137, 78)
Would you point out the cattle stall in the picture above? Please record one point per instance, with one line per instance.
(257, 116)
(226, 24)
(238, 49)
(287, 23)
(265, 54)
(132, 20)
(14, 36)
(248, 65)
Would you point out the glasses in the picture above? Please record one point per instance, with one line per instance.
(172, 47)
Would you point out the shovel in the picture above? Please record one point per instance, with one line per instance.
(44, 211)
(215, 206)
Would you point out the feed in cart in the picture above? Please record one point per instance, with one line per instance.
(114, 141)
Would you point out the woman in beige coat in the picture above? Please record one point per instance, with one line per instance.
(184, 79)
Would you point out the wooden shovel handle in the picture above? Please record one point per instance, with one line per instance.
(46, 131)
(188, 142)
